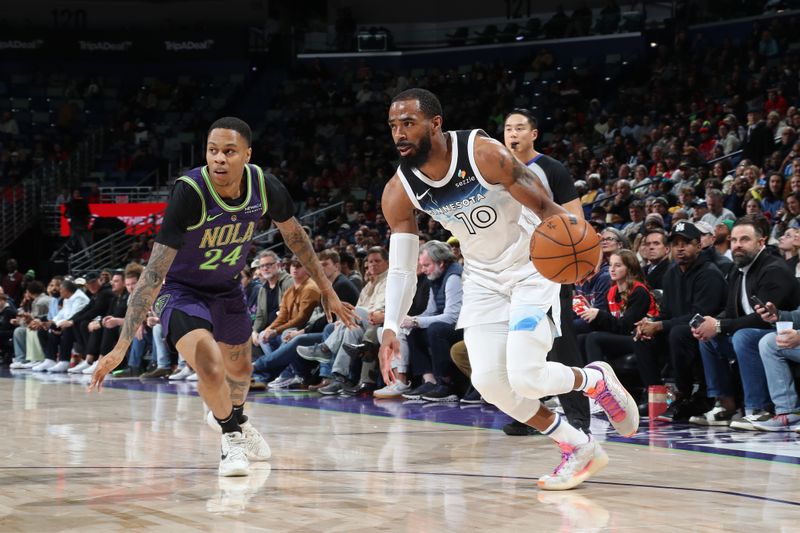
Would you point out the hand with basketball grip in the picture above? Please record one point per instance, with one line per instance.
(390, 347)
(104, 366)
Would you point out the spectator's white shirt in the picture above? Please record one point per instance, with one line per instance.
(70, 307)
(713, 219)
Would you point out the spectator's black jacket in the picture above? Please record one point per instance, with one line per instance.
(701, 289)
(655, 277)
(97, 307)
(771, 280)
(724, 264)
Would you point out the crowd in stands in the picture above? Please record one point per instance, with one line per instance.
(690, 174)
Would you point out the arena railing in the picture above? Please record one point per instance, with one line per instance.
(264, 238)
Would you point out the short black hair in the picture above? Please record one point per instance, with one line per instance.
(236, 124)
(35, 287)
(428, 102)
(527, 113)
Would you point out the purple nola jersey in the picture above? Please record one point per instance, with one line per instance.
(215, 248)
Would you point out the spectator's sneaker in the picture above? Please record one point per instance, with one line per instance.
(28, 365)
(519, 429)
(279, 382)
(44, 366)
(619, 406)
(181, 374)
(416, 394)
(318, 352)
(125, 373)
(193, 377)
(391, 391)
(717, 416)
(747, 421)
(80, 367)
(363, 387)
(233, 460)
(578, 463)
(17, 365)
(334, 387)
(59, 368)
(440, 393)
(157, 373)
(296, 383)
(472, 396)
(89, 370)
(676, 411)
(324, 383)
(787, 422)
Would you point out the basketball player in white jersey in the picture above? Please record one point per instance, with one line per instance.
(520, 132)
(475, 188)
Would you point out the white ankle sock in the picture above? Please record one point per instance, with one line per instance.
(590, 378)
(562, 431)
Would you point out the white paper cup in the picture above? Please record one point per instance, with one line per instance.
(783, 326)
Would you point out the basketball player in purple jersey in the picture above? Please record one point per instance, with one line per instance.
(476, 189)
(200, 250)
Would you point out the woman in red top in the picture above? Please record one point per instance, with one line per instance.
(629, 300)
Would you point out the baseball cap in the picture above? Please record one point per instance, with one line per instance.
(687, 230)
(90, 276)
(704, 227)
(80, 281)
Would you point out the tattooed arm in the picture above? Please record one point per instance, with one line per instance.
(297, 240)
(499, 167)
(138, 304)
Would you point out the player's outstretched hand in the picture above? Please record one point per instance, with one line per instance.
(390, 347)
(343, 310)
(104, 366)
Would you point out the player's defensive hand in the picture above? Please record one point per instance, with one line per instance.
(390, 347)
(343, 310)
(104, 366)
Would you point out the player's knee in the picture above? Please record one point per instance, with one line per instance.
(491, 387)
(528, 384)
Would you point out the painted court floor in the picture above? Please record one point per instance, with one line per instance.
(140, 457)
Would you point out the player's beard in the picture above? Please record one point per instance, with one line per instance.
(421, 153)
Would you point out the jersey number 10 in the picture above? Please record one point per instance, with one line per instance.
(481, 217)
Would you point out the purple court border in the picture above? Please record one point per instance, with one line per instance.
(673, 436)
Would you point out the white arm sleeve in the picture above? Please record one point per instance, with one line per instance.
(401, 282)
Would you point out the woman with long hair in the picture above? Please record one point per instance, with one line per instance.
(772, 197)
(629, 301)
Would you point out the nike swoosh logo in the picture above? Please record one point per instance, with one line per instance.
(419, 196)
(210, 218)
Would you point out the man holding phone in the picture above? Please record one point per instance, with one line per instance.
(776, 350)
(692, 286)
(737, 331)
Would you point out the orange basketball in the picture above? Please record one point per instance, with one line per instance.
(565, 249)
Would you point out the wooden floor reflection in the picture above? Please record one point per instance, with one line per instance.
(145, 461)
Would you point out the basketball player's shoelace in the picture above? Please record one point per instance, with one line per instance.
(566, 455)
(602, 395)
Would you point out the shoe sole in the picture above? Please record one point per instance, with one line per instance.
(776, 429)
(386, 396)
(631, 407)
(329, 393)
(599, 462)
(446, 399)
(317, 359)
(470, 402)
(235, 472)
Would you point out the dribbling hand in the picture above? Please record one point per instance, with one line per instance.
(390, 346)
(104, 366)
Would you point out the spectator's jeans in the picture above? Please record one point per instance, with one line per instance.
(20, 333)
(743, 347)
(139, 348)
(779, 375)
(430, 349)
(160, 348)
(271, 344)
(272, 364)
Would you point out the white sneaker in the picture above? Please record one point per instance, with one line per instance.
(392, 391)
(620, 407)
(80, 367)
(16, 365)
(44, 365)
(192, 377)
(181, 374)
(59, 368)
(256, 447)
(747, 421)
(28, 365)
(233, 461)
(279, 382)
(89, 370)
(578, 463)
(717, 416)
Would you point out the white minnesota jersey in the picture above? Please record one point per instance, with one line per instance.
(484, 217)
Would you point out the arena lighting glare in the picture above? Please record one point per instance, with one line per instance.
(653, 44)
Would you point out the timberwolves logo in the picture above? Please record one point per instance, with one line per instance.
(160, 304)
